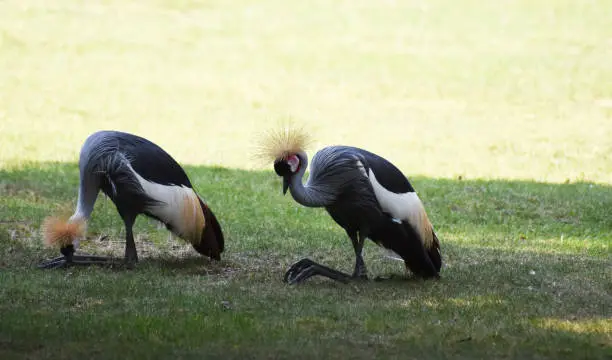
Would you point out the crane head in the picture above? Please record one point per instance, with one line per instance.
(62, 232)
(285, 147)
(287, 167)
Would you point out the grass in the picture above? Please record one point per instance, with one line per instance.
(499, 113)
(525, 278)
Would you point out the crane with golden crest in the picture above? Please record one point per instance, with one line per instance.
(140, 178)
(365, 194)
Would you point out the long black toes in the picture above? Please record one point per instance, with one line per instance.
(303, 274)
(306, 268)
(390, 277)
(300, 271)
(301, 263)
(75, 260)
(296, 268)
(58, 262)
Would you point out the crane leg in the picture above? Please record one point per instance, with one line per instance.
(131, 255)
(361, 271)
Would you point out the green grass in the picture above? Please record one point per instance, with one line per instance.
(499, 113)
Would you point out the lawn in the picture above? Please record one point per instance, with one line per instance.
(499, 113)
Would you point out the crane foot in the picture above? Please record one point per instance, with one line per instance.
(75, 260)
(306, 268)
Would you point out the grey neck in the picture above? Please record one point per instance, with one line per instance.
(310, 196)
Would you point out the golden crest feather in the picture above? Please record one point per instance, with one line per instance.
(280, 143)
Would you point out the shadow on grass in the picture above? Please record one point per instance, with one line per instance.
(491, 306)
(526, 276)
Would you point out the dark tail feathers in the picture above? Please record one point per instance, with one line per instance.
(434, 253)
(405, 241)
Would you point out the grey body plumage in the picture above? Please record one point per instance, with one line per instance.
(338, 182)
(333, 171)
(103, 163)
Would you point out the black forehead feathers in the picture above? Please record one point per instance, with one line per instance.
(281, 167)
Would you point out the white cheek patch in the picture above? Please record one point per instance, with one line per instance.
(293, 162)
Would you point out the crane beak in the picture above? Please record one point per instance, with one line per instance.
(285, 185)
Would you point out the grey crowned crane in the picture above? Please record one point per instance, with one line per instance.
(365, 194)
(140, 178)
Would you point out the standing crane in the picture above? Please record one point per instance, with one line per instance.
(140, 178)
(365, 194)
